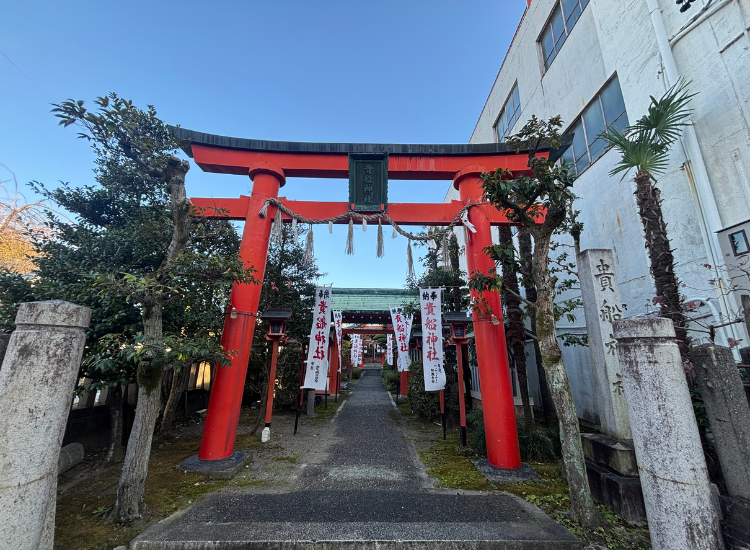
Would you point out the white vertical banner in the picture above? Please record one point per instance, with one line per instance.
(432, 339)
(389, 356)
(316, 373)
(353, 350)
(402, 328)
(360, 350)
(337, 317)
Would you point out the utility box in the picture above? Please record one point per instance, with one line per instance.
(735, 249)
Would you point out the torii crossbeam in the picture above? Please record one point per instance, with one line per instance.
(268, 164)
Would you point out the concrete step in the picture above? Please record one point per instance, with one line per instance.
(358, 520)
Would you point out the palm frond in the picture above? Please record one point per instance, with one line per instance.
(639, 153)
(666, 116)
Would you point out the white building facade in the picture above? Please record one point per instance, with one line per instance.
(597, 63)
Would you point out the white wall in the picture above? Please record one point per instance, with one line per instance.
(617, 37)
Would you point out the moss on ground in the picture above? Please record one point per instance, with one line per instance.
(294, 459)
(325, 414)
(452, 466)
(403, 406)
(81, 512)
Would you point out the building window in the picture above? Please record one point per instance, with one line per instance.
(739, 243)
(607, 110)
(563, 19)
(508, 115)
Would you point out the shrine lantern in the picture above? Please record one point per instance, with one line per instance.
(277, 322)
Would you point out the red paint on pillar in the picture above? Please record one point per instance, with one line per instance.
(333, 367)
(220, 428)
(404, 380)
(492, 357)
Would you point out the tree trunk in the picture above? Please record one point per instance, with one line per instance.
(179, 385)
(516, 332)
(582, 503)
(114, 452)
(131, 490)
(648, 199)
(524, 252)
(456, 269)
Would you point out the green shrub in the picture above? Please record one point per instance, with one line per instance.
(475, 424)
(356, 373)
(391, 380)
(539, 444)
(424, 404)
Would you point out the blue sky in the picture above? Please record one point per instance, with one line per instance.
(376, 72)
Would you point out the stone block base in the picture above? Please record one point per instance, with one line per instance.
(225, 468)
(735, 522)
(615, 455)
(503, 475)
(622, 494)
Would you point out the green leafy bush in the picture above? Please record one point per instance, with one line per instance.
(356, 373)
(391, 379)
(424, 404)
(475, 423)
(537, 445)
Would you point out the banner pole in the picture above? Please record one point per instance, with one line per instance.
(461, 394)
(301, 390)
(442, 411)
(398, 385)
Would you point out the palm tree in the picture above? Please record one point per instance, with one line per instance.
(644, 147)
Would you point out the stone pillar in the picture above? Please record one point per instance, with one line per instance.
(601, 305)
(36, 383)
(311, 403)
(4, 339)
(674, 479)
(728, 413)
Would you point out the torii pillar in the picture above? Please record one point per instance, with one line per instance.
(220, 428)
(498, 408)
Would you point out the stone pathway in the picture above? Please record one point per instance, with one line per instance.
(360, 487)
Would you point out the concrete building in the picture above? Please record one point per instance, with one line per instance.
(597, 63)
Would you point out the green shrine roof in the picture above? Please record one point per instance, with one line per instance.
(370, 300)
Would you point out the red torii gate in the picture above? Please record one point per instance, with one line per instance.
(268, 164)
